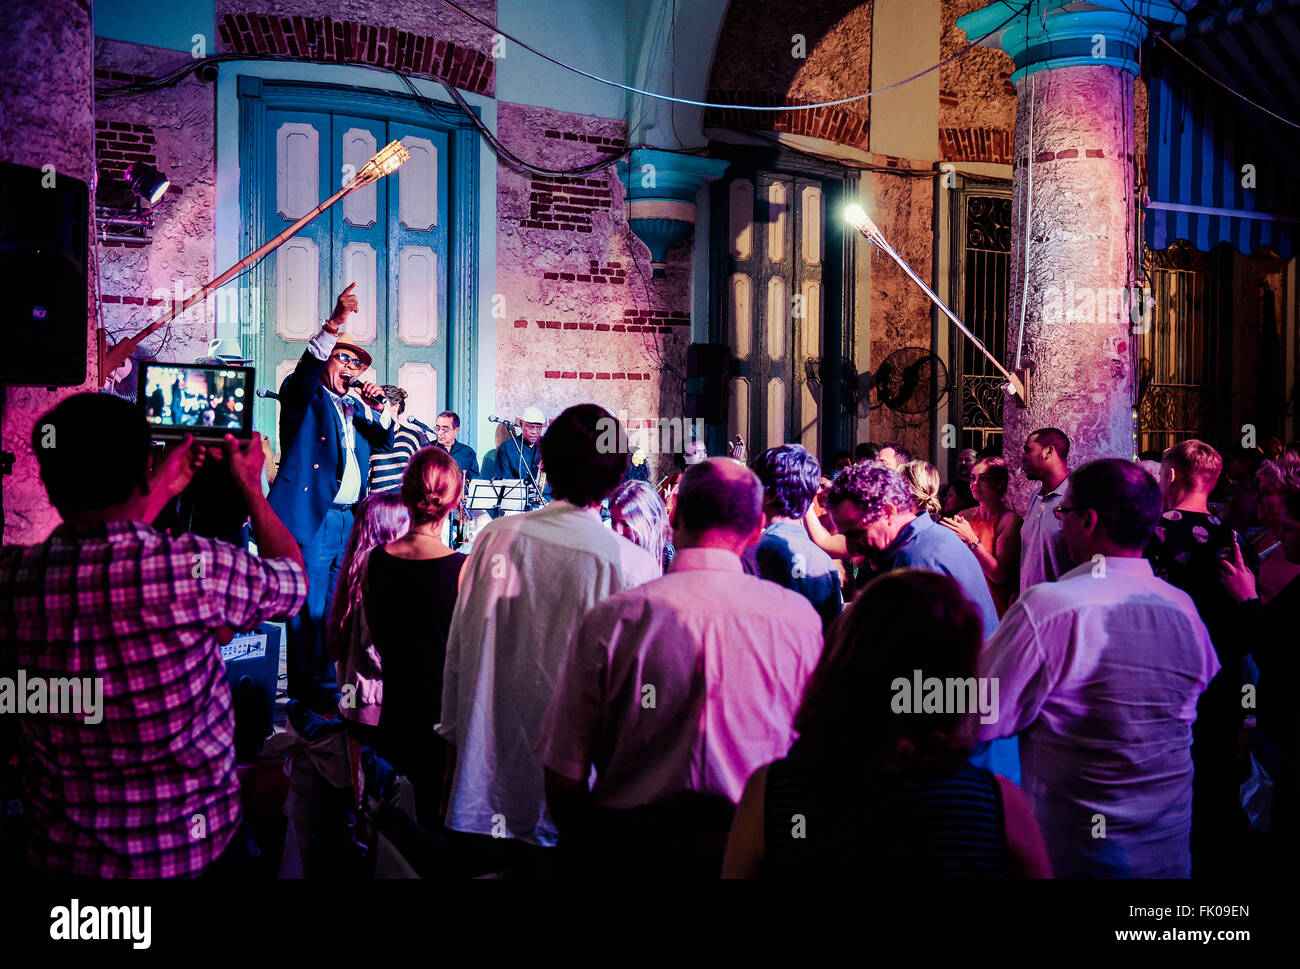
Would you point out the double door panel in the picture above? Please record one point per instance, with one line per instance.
(389, 238)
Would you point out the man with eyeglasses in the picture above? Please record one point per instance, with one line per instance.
(327, 432)
(447, 427)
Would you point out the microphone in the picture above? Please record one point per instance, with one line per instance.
(358, 383)
(267, 394)
(514, 429)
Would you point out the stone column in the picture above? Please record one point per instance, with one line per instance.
(46, 118)
(1073, 217)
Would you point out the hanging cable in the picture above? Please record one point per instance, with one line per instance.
(742, 107)
(1029, 211)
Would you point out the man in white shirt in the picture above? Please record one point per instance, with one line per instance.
(1043, 553)
(528, 583)
(1099, 673)
(327, 431)
(685, 685)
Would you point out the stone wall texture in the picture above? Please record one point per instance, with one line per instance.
(583, 320)
(45, 119)
(174, 130)
(900, 311)
(758, 62)
(977, 102)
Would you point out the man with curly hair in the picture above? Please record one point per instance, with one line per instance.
(874, 510)
(785, 554)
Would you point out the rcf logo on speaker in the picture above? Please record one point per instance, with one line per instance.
(38, 312)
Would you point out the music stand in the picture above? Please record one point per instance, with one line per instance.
(497, 495)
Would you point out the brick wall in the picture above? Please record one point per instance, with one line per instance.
(832, 124)
(348, 41)
(977, 144)
(421, 37)
(772, 52)
(977, 102)
(585, 320)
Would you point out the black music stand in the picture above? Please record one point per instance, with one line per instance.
(497, 495)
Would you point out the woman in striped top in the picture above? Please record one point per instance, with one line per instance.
(874, 786)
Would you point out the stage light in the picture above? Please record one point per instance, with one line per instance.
(147, 182)
(855, 215)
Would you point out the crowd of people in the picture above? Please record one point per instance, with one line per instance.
(775, 672)
(778, 673)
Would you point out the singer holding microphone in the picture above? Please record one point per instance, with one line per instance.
(330, 420)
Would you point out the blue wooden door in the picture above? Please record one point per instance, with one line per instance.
(390, 238)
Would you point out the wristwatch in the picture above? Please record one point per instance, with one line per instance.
(974, 545)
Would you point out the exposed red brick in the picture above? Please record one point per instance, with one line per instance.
(1096, 153)
(1068, 153)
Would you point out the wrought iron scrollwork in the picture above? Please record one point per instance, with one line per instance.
(988, 223)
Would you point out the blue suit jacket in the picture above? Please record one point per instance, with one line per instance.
(311, 449)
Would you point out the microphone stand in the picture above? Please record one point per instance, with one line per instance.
(523, 464)
(859, 220)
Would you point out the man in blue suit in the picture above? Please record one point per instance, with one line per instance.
(327, 431)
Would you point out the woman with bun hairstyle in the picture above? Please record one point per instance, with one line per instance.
(410, 592)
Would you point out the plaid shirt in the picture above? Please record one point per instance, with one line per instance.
(140, 609)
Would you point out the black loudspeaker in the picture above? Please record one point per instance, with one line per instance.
(708, 379)
(44, 227)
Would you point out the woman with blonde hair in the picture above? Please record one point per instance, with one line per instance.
(410, 594)
(922, 480)
(992, 530)
(638, 514)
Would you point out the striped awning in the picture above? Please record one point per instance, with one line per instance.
(1218, 169)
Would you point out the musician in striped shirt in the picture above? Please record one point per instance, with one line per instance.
(409, 436)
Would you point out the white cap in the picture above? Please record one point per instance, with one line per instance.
(533, 415)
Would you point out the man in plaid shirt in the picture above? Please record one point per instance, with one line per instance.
(148, 789)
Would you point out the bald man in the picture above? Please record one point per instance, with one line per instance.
(678, 689)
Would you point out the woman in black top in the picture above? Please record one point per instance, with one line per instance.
(873, 786)
(410, 592)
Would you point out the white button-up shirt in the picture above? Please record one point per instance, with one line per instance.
(687, 683)
(528, 583)
(1099, 673)
(321, 346)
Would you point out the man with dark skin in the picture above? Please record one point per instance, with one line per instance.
(1044, 556)
(327, 433)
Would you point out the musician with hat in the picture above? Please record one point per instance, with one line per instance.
(521, 457)
(330, 420)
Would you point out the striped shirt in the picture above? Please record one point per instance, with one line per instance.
(145, 788)
(821, 822)
(386, 469)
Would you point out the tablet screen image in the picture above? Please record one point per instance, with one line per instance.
(207, 401)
